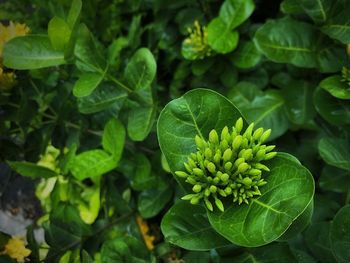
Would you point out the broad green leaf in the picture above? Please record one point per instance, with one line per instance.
(141, 70)
(298, 97)
(280, 41)
(265, 109)
(87, 52)
(105, 97)
(31, 52)
(274, 253)
(333, 110)
(235, 12)
(335, 152)
(59, 33)
(246, 56)
(339, 235)
(221, 38)
(65, 228)
(334, 179)
(151, 201)
(124, 249)
(187, 226)
(32, 170)
(337, 25)
(92, 164)
(74, 13)
(113, 138)
(299, 224)
(87, 83)
(196, 112)
(318, 241)
(317, 10)
(335, 86)
(140, 122)
(288, 192)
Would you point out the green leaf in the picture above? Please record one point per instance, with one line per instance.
(339, 234)
(333, 110)
(142, 178)
(265, 109)
(197, 112)
(59, 33)
(291, 7)
(334, 179)
(335, 152)
(151, 201)
(246, 56)
(88, 54)
(337, 26)
(317, 10)
(288, 192)
(65, 228)
(141, 70)
(335, 86)
(92, 164)
(105, 97)
(280, 41)
(140, 122)
(186, 225)
(220, 38)
(318, 241)
(87, 83)
(74, 13)
(113, 138)
(32, 170)
(31, 52)
(235, 12)
(124, 249)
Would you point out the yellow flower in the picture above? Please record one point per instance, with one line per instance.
(15, 248)
(7, 80)
(144, 229)
(11, 31)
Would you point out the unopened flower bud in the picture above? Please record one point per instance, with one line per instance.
(197, 188)
(201, 144)
(237, 141)
(211, 167)
(181, 174)
(208, 204)
(213, 189)
(265, 135)
(257, 133)
(247, 181)
(227, 155)
(208, 153)
(219, 204)
(213, 137)
(270, 155)
(248, 132)
(239, 125)
(243, 167)
(198, 172)
(225, 133)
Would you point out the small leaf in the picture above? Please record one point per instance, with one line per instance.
(87, 83)
(140, 122)
(59, 33)
(113, 138)
(74, 13)
(31, 52)
(246, 56)
(335, 152)
(335, 86)
(32, 170)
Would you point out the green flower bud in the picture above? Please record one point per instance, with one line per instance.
(239, 161)
(270, 155)
(245, 143)
(257, 133)
(207, 192)
(247, 181)
(198, 172)
(225, 133)
(248, 154)
(224, 177)
(209, 179)
(208, 153)
(188, 167)
(254, 172)
(224, 145)
(248, 132)
(217, 156)
(228, 166)
(213, 137)
(261, 167)
(211, 167)
(243, 167)
(270, 148)
(265, 135)
(239, 125)
(188, 197)
(219, 204)
(192, 163)
(181, 174)
(222, 192)
(193, 156)
(216, 180)
(195, 200)
(228, 190)
(237, 141)
(208, 204)
(201, 144)
(227, 155)
(260, 155)
(213, 189)
(191, 180)
(197, 188)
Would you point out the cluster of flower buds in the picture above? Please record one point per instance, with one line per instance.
(196, 46)
(228, 166)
